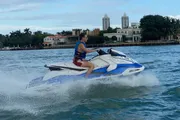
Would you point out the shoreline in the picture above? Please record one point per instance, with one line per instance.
(100, 45)
(116, 45)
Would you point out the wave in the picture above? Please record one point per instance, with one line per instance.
(151, 62)
(15, 96)
(178, 62)
(173, 92)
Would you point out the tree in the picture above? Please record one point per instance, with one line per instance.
(2, 40)
(151, 27)
(95, 40)
(59, 33)
(23, 39)
(109, 30)
(27, 36)
(66, 33)
(106, 39)
(101, 33)
(155, 27)
(38, 37)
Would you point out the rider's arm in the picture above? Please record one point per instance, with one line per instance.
(85, 49)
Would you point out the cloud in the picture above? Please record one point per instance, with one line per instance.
(18, 27)
(21, 7)
(111, 3)
(64, 18)
(6, 3)
(6, 29)
(95, 5)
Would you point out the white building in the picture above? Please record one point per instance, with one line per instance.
(106, 22)
(125, 21)
(54, 40)
(131, 34)
(48, 41)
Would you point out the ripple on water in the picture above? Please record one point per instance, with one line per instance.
(178, 61)
(172, 93)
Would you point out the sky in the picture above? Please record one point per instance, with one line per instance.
(56, 15)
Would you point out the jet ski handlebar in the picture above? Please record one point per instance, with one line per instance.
(109, 51)
(101, 52)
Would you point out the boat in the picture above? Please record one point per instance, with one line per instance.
(110, 63)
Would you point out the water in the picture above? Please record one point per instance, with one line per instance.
(152, 95)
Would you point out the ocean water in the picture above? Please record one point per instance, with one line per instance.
(152, 95)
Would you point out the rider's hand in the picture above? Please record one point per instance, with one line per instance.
(98, 49)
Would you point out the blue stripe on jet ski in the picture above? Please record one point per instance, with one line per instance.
(120, 67)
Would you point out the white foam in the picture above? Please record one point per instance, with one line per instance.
(13, 85)
(146, 79)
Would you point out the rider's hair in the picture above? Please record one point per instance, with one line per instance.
(81, 36)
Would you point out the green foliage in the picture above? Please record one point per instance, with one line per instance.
(23, 39)
(37, 38)
(106, 39)
(65, 33)
(95, 39)
(2, 40)
(155, 27)
(109, 30)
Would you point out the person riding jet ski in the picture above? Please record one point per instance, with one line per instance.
(80, 54)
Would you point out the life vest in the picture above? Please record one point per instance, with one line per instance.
(77, 54)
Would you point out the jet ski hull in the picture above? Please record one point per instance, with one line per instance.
(113, 63)
(53, 77)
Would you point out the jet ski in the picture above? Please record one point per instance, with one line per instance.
(110, 63)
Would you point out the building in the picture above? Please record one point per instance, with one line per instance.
(95, 32)
(54, 40)
(76, 32)
(87, 31)
(125, 21)
(126, 35)
(106, 22)
(48, 41)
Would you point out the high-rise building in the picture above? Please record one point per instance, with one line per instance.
(106, 22)
(125, 21)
